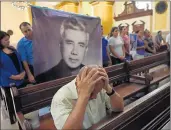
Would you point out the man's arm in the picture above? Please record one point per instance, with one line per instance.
(29, 74)
(116, 100)
(23, 54)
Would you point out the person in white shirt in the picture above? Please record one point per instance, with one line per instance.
(116, 47)
(168, 40)
(83, 102)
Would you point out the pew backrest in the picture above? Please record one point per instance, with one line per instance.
(38, 96)
(148, 62)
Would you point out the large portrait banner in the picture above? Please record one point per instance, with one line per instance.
(63, 43)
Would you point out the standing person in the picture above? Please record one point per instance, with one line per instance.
(105, 52)
(25, 49)
(126, 39)
(159, 38)
(11, 71)
(116, 47)
(148, 42)
(140, 45)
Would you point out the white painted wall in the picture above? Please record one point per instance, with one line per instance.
(11, 18)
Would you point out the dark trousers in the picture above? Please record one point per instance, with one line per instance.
(9, 104)
(115, 61)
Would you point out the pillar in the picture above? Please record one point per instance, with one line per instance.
(68, 6)
(29, 12)
(104, 10)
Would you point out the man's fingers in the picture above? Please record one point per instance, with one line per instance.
(91, 73)
(84, 73)
(98, 79)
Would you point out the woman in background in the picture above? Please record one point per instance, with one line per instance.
(12, 73)
(116, 47)
(140, 45)
(126, 39)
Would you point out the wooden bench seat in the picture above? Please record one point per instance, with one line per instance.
(127, 90)
(159, 75)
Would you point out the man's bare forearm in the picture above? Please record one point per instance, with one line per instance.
(26, 67)
(76, 118)
(116, 100)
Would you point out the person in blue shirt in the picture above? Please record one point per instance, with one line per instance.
(105, 53)
(11, 71)
(25, 49)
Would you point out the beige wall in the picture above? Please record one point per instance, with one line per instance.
(118, 7)
(86, 9)
(146, 19)
(11, 18)
(47, 4)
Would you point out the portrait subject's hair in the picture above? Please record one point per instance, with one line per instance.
(73, 23)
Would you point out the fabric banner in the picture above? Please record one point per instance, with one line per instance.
(63, 43)
(133, 43)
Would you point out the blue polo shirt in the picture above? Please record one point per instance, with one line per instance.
(104, 52)
(25, 49)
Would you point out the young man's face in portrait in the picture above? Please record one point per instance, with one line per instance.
(74, 47)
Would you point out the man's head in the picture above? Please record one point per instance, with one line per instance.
(74, 42)
(99, 85)
(26, 29)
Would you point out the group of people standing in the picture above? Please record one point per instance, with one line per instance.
(117, 48)
(16, 65)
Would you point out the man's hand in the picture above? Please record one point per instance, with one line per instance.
(106, 79)
(31, 78)
(86, 82)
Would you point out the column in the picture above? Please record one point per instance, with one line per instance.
(104, 10)
(29, 12)
(68, 6)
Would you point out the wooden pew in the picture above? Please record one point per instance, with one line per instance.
(150, 62)
(150, 112)
(38, 96)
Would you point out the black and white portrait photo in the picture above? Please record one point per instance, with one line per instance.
(69, 43)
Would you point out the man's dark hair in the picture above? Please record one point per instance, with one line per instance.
(24, 24)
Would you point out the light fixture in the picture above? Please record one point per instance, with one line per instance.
(21, 5)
